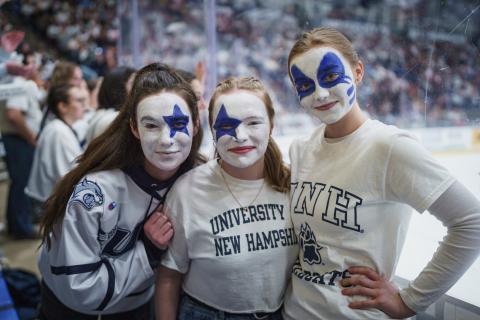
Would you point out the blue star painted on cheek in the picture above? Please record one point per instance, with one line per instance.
(224, 125)
(177, 122)
(304, 85)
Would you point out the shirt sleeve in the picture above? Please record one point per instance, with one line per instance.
(83, 274)
(413, 176)
(176, 257)
(458, 210)
(19, 102)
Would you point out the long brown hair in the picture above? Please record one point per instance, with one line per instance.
(324, 36)
(117, 147)
(277, 174)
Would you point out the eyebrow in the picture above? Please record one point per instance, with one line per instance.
(177, 118)
(329, 67)
(254, 118)
(149, 118)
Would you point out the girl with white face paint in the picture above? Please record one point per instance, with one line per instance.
(354, 183)
(234, 243)
(103, 224)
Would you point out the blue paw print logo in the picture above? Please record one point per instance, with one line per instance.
(310, 247)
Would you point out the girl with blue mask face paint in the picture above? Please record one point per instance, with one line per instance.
(354, 184)
(234, 243)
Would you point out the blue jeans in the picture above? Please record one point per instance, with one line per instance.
(191, 309)
(19, 159)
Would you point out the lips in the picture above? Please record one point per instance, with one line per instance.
(166, 152)
(241, 150)
(326, 106)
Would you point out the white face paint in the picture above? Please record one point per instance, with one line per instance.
(165, 127)
(241, 128)
(324, 82)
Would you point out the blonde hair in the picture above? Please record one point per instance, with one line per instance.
(324, 36)
(277, 174)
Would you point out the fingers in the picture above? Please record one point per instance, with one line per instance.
(366, 271)
(158, 216)
(358, 281)
(360, 291)
(363, 304)
(165, 228)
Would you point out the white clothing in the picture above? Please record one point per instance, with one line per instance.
(81, 126)
(459, 211)
(99, 122)
(351, 206)
(55, 155)
(96, 263)
(236, 259)
(28, 104)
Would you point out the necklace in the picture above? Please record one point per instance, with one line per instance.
(233, 195)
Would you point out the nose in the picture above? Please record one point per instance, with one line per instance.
(164, 138)
(321, 93)
(241, 133)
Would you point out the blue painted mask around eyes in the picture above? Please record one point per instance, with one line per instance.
(177, 122)
(331, 71)
(304, 85)
(224, 125)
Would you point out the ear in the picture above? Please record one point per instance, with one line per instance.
(134, 129)
(358, 72)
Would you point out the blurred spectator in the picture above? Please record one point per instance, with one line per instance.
(58, 144)
(417, 62)
(19, 121)
(111, 96)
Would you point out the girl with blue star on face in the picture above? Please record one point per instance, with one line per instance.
(234, 244)
(103, 230)
(354, 183)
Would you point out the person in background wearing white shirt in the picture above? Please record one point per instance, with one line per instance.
(111, 96)
(234, 241)
(58, 144)
(20, 122)
(354, 183)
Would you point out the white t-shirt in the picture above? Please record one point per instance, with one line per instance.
(28, 104)
(99, 122)
(54, 156)
(351, 206)
(236, 259)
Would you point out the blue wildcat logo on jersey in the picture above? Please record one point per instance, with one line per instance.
(88, 193)
(308, 243)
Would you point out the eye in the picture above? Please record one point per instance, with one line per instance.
(150, 125)
(331, 77)
(225, 126)
(304, 86)
(179, 124)
(254, 122)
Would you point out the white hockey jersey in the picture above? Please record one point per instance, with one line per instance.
(99, 262)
